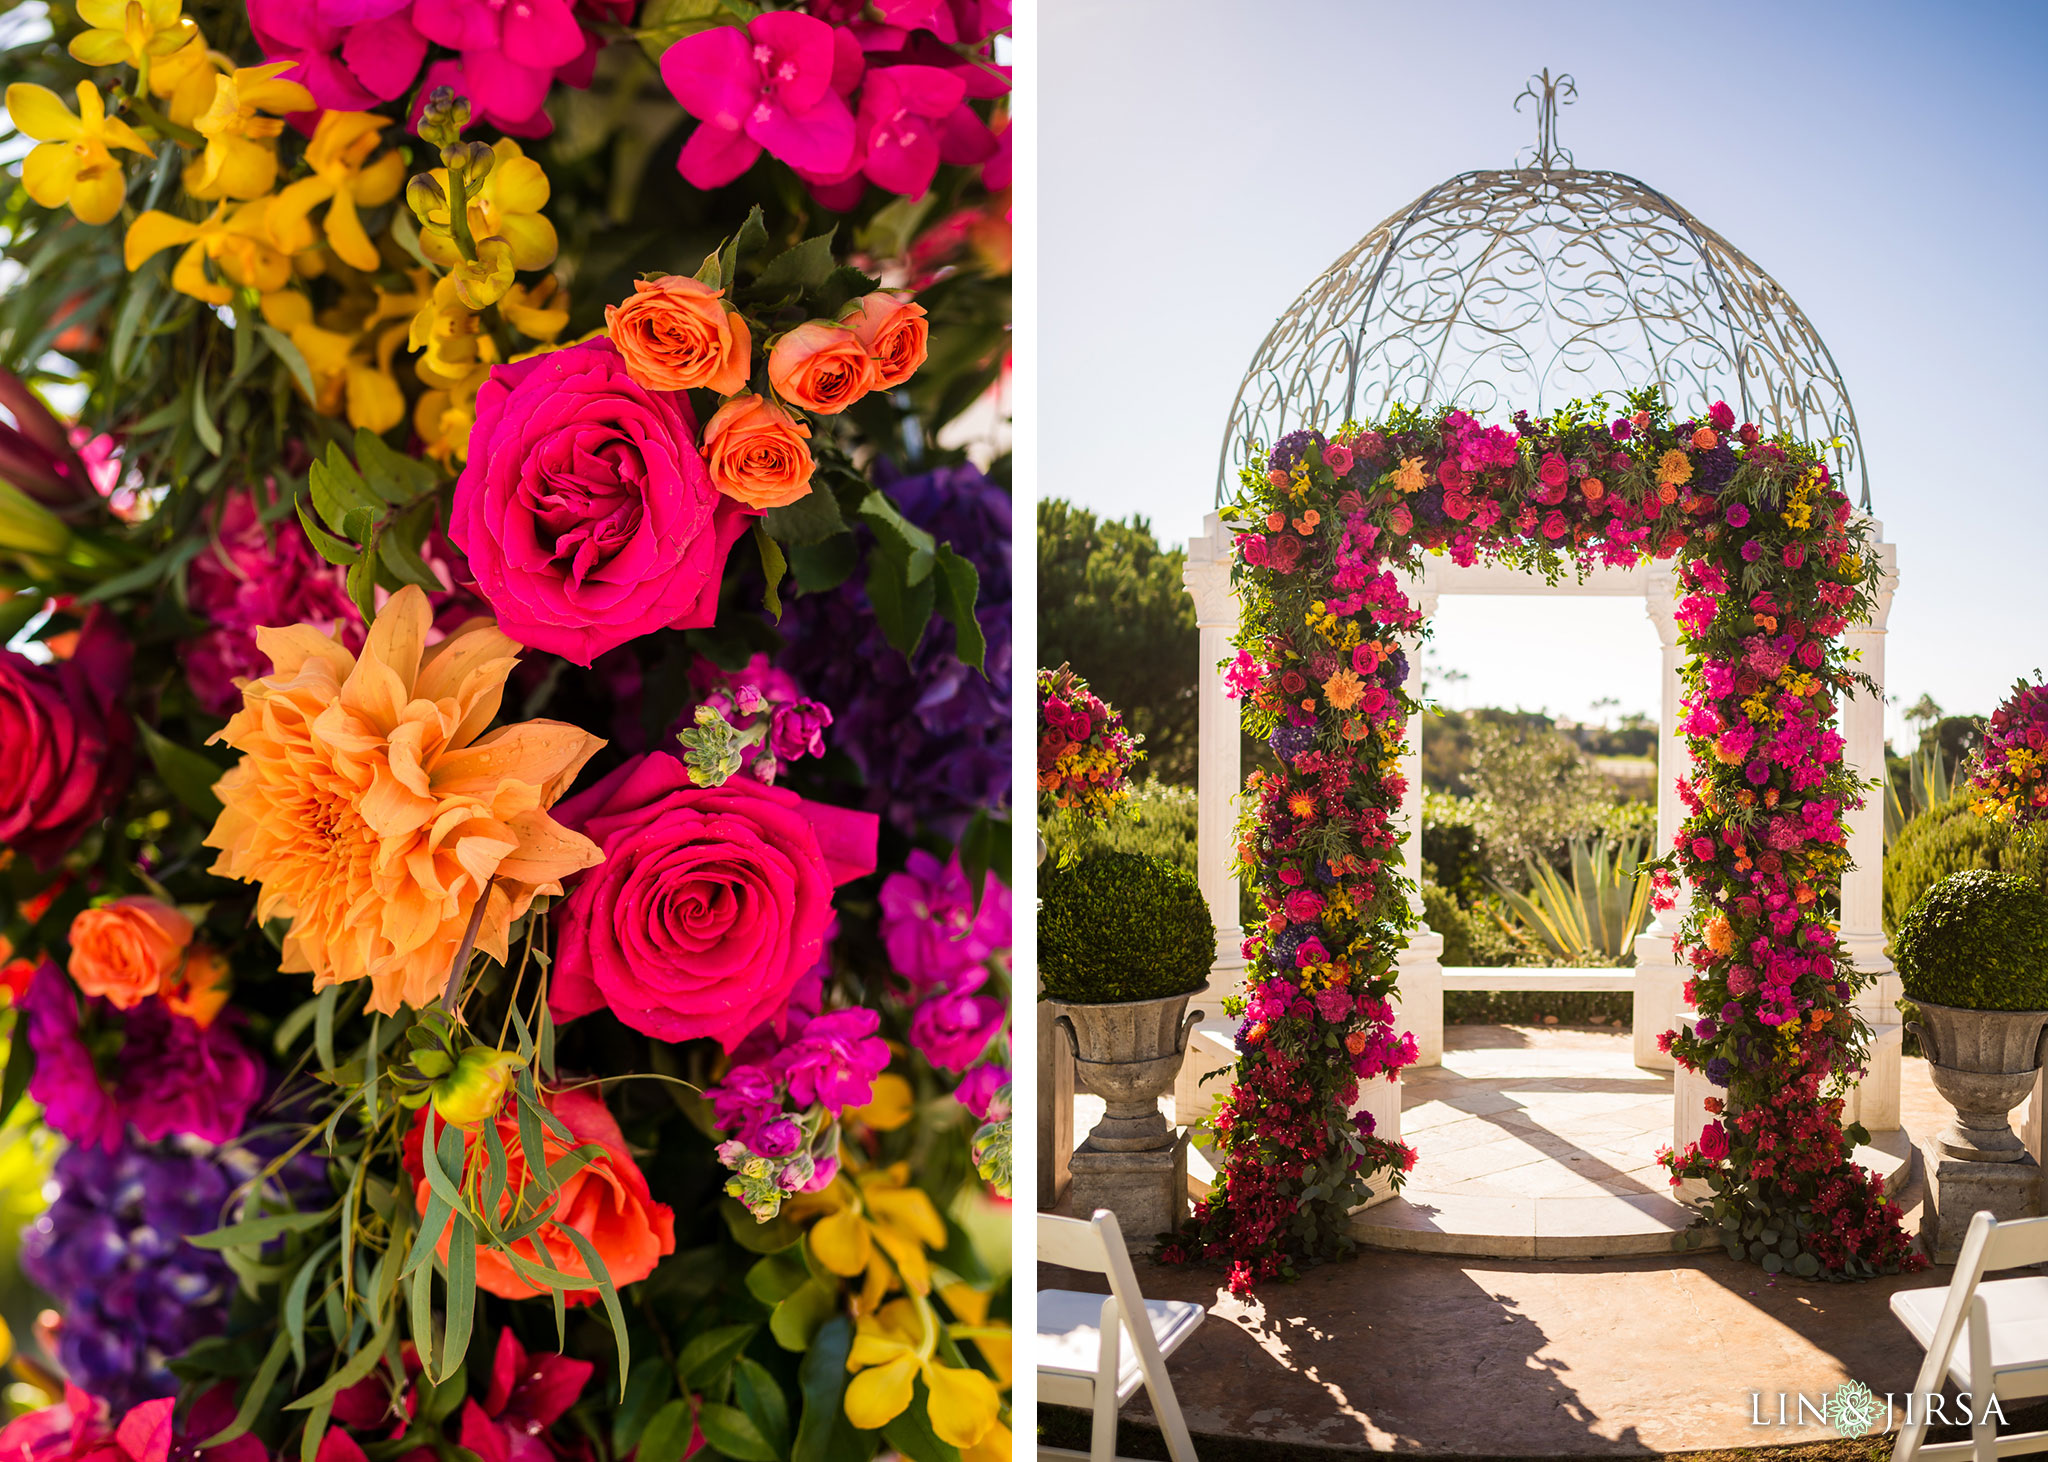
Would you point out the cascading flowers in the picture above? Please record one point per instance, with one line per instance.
(2010, 779)
(1775, 568)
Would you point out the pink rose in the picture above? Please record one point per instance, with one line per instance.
(585, 508)
(1337, 459)
(1713, 1142)
(1553, 470)
(710, 905)
(1722, 415)
(65, 743)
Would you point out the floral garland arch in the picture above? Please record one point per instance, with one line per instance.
(1773, 567)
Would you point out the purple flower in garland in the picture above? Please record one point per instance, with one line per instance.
(1289, 741)
(979, 1087)
(930, 736)
(934, 935)
(1291, 448)
(1718, 1071)
(834, 1060)
(111, 1251)
(952, 1030)
(164, 1073)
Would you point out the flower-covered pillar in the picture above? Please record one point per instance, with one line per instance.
(1220, 766)
(1659, 993)
(1875, 1102)
(1419, 1007)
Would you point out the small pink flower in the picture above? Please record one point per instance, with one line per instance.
(1337, 459)
(767, 85)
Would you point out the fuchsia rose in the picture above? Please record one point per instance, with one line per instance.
(585, 508)
(711, 904)
(1713, 1142)
(769, 84)
(65, 742)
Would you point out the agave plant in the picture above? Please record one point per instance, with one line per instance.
(1929, 782)
(1593, 917)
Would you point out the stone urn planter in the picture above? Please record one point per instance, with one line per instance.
(1128, 1053)
(1984, 1063)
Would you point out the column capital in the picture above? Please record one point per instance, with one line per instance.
(1206, 576)
(1660, 598)
(1888, 560)
(1423, 586)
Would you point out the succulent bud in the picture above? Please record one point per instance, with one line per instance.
(473, 1092)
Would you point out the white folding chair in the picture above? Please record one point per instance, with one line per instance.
(1989, 1339)
(1089, 1354)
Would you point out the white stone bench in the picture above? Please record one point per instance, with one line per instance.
(1510, 977)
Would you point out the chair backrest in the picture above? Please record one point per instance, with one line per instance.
(1097, 1246)
(2012, 1244)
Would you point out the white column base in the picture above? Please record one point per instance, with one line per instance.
(1382, 1097)
(1689, 1093)
(1226, 975)
(1419, 1003)
(1658, 999)
(1874, 1101)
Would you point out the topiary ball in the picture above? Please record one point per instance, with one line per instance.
(1122, 926)
(1977, 940)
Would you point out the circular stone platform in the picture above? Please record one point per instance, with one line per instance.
(1541, 1143)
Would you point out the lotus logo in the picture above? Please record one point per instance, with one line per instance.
(1853, 1410)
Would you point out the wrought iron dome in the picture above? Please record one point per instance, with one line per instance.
(1527, 287)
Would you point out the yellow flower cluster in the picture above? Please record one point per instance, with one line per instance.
(297, 249)
(1799, 505)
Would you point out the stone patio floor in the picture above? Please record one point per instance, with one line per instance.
(1443, 1356)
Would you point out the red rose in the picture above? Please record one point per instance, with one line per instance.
(65, 744)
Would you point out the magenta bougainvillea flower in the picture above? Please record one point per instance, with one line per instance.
(769, 85)
(912, 118)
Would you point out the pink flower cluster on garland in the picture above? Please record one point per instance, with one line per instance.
(2010, 779)
(1773, 569)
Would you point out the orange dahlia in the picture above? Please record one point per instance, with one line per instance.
(374, 810)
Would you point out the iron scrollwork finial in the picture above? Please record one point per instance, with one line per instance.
(1549, 94)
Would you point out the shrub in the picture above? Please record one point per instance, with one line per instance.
(1159, 820)
(1472, 936)
(1977, 940)
(1122, 926)
(1949, 838)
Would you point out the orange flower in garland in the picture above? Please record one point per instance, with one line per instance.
(374, 810)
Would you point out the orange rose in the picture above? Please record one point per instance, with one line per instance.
(200, 989)
(675, 334)
(606, 1201)
(756, 453)
(822, 367)
(125, 950)
(895, 334)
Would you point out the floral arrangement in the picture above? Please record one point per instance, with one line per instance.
(1085, 756)
(1774, 567)
(503, 797)
(2010, 778)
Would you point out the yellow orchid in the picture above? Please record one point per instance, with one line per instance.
(129, 32)
(448, 335)
(874, 1225)
(895, 1347)
(239, 244)
(351, 371)
(445, 414)
(990, 1337)
(993, 1447)
(344, 178)
(240, 160)
(537, 311)
(891, 1104)
(73, 164)
(183, 80)
(506, 205)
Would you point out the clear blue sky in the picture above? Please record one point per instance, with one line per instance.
(1201, 162)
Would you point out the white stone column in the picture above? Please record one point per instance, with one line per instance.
(1875, 1102)
(1220, 772)
(1659, 995)
(1419, 1007)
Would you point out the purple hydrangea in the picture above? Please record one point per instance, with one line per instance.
(164, 1074)
(1289, 741)
(111, 1251)
(934, 935)
(1718, 1071)
(1291, 448)
(929, 735)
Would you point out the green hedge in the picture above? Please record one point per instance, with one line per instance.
(1122, 926)
(1949, 838)
(1977, 940)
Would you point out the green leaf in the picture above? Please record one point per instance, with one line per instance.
(984, 849)
(202, 420)
(337, 488)
(760, 1397)
(822, 1427)
(901, 609)
(668, 1433)
(799, 1315)
(294, 361)
(1806, 1266)
(771, 1237)
(776, 1277)
(705, 1359)
(21, 1066)
(1773, 1264)
(910, 1432)
(396, 478)
(459, 1312)
(257, 1394)
(902, 536)
(357, 1366)
(958, 586)
(128, 322)
(647, 1392)
(259, 1231)
(773, 567)
(188, 775)
(749, 239)
(845, 285)
(609, 1294)
(818, 567)
(804, 268)
(812, 518)
(733, 1433)
(294, 1311)
(664, 22)
(333, 549)
(362, 583)
(405, 563)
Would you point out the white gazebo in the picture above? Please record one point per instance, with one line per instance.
(1522, 289)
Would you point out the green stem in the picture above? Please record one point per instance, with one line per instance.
(458, 212)
(151, 117)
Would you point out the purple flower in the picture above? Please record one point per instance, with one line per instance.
(745, 1101)
(952, 1030)
(799, 730)
(110, 1250)
(932, 932)
(834, 1060)
(929, 735)
(167, 1075)
(1718, 1071)
(1705, 1028)
(979, 1087)
(767, 85)
(778, 1138)
(1622, 429)
(1738, 516)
